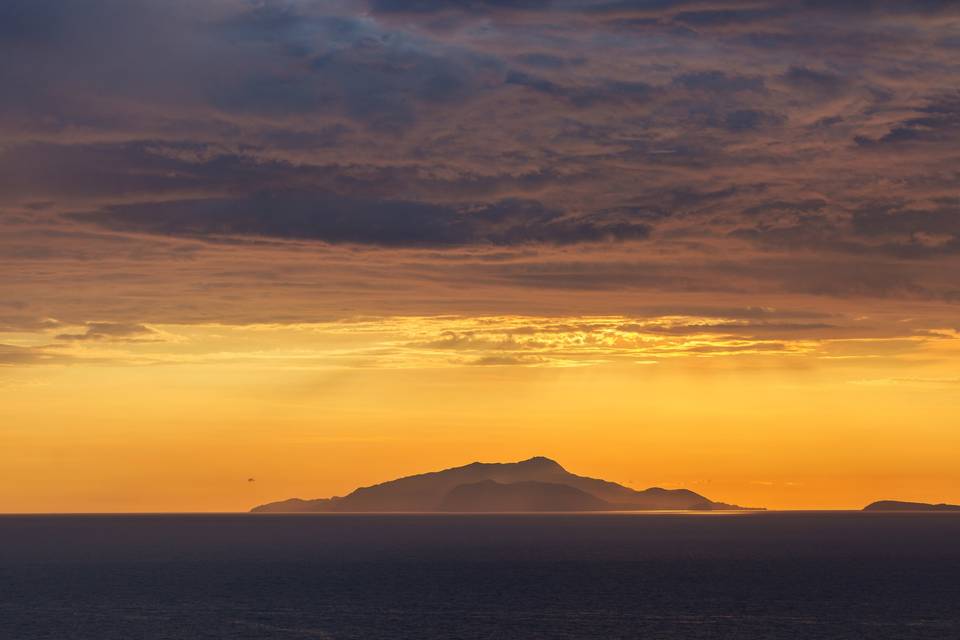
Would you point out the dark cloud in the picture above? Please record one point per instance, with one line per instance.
(750, 119)
(149, 170)
(797, 207)
(24, 21)
(725, 17)
(608, 91)
(938, 122)
(812, 81)
(807, 148)
(550, 61)
(97, 170)
(431, 6)
(719, 81)
(338, 220)
(913, 232)
(350, 67)
(890, 7)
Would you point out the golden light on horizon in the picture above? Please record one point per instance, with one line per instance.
(176, 417)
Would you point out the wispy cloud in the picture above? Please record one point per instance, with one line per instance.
(427, 342)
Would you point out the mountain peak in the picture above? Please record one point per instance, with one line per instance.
(543, 462)
(534, 484)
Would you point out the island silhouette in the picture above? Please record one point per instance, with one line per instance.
(536, 484)
(897, 505)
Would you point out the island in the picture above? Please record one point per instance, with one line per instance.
(536, 484)
(897, 505)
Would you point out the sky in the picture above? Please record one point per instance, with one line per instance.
(251, 250)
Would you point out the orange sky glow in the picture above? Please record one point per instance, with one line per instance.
(277, 249)
(179, 417)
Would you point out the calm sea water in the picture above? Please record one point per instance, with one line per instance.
(652, 576)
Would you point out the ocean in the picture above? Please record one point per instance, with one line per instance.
(749, 576)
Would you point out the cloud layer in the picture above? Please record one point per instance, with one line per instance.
(174, 162)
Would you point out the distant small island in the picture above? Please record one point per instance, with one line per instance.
(897, 505)
(537, 484)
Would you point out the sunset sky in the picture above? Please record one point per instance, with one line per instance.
(252, 250)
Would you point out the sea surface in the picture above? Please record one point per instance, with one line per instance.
(749, 576)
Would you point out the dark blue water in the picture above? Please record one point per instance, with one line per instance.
(754, 576)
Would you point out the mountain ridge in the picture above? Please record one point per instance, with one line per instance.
(899, 505)
(529, 495)
(431, 492)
